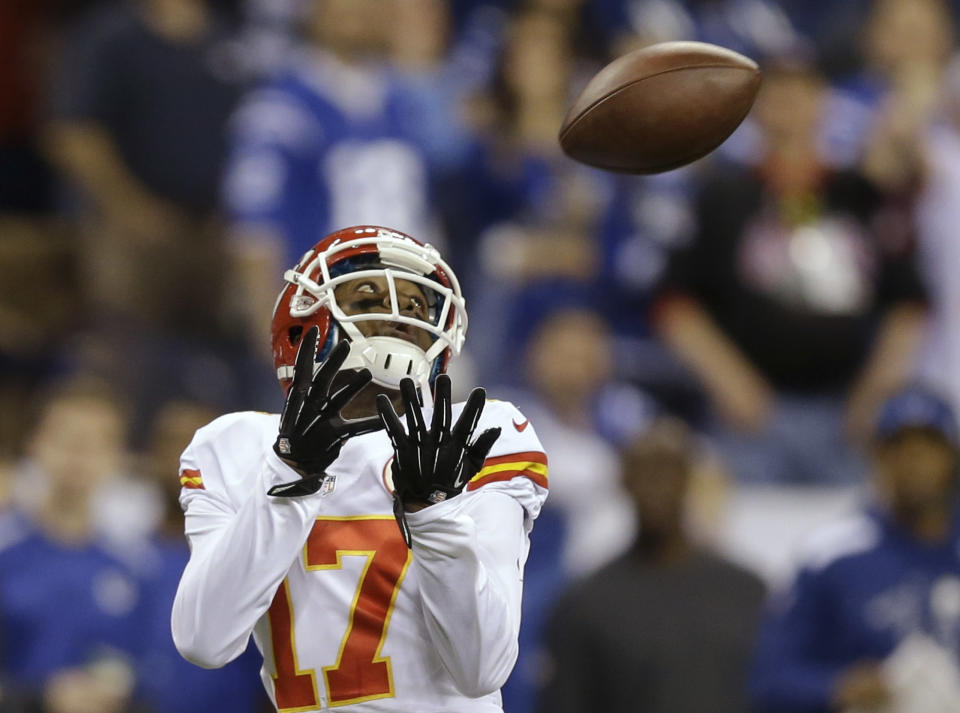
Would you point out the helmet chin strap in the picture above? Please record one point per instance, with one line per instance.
(389, 360)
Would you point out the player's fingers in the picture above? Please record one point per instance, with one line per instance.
(469, 416)
(302, 375)
(291, 410)
(441, 406)
(354, 385)
(390, 420)
(331, 366)
(359, 426)
(411, 407)
(306, 356)
(479, 449)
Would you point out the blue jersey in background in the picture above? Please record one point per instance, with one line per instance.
(319, 147)
(866, 586)
(64, 606)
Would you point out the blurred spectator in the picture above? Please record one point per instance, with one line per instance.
(171, 684)
(938, 212)
(140, 109)
(873, 617)
(586, 520)
(757, 28)
(667, 626)
(908, 47)
(71, 606)
(33, 322)
(647, 219)
(318, 147)
(535, 211)
(139, 112)
(436, 71)
(880, 105)
(269, 32)
(569, 369)
(798, 305)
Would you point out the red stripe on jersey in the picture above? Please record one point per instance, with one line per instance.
(528, 456)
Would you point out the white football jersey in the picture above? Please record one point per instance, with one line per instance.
(343, 612)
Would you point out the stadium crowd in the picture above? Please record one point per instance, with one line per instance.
(708, 355)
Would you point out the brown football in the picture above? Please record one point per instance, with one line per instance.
(660, 107)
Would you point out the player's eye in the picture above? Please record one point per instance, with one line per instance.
(366, 288)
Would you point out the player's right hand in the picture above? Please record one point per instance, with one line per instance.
(311, 428)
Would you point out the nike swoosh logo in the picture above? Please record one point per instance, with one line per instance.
(521, 426)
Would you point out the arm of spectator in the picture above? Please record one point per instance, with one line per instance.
(888, 366)
(88, 96)
(256, 257)
(894, 157)
(739, 392)
(84, 151)
(523, 253)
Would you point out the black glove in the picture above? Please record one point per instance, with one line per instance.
(311, 429)
(432, 466)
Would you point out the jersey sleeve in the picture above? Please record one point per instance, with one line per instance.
(517, 463)
(242, 541)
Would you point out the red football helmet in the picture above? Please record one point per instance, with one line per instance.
(365, 251)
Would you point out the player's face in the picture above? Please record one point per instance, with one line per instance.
(372, 295)
(916, 470)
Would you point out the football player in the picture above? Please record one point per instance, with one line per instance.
(377, 566)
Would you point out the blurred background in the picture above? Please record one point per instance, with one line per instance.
(732, 328)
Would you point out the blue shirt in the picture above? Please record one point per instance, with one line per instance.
(866, 586)
(320, 147)
(172, 684)
(63, 606)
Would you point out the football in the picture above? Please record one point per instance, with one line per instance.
(660, 107)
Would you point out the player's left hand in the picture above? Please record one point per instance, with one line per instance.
(433, 465)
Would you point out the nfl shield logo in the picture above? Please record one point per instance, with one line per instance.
(329, 483)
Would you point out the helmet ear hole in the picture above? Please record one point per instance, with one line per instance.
(294, 334)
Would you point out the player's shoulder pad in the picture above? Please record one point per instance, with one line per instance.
(517, 453)
(227, 450)
(851, 536)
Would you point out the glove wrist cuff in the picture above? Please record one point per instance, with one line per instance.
(307, 485)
